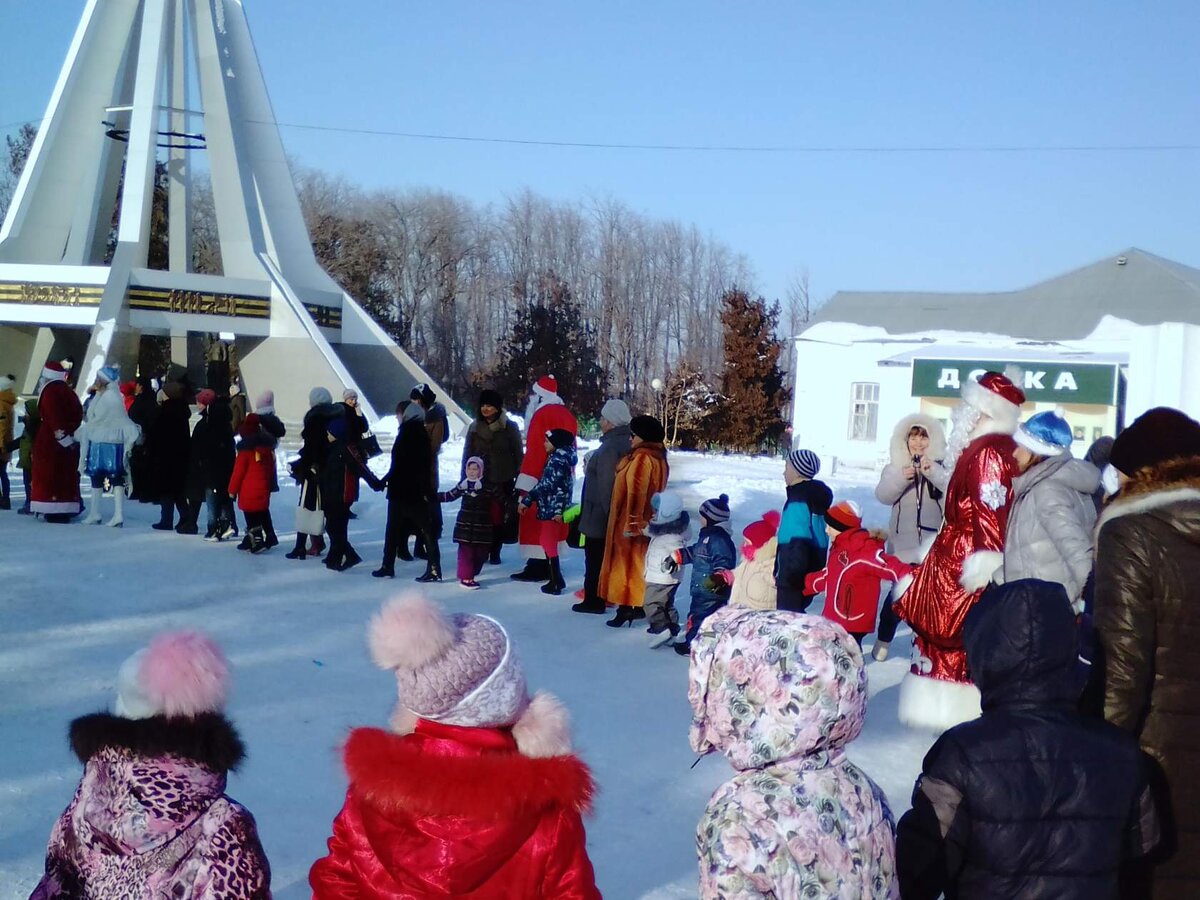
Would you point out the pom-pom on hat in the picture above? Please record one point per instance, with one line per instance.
(1046, 434)
(462, 670)
(844, 516)
(806, 463)
(547, 386)
(647, 428)
(265, 402)
(182, 673)
(109, 374)
(616, 411)
(206, 397)
(560, 438)
(1155, 437)
(668, 507)
(716, 510)
(997, 396)
(756, 534)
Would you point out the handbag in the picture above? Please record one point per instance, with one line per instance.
(310, 521)
(370, 445)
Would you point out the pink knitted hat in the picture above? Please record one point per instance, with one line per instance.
(181, 673)
(461, 670)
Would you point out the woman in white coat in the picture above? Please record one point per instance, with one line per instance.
(912, 484)
(105, 440)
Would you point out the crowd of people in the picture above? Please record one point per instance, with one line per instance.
(1053, 653)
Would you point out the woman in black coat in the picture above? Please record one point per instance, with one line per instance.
(339, 476)
(409, 495)
(314, 451)
(211, 465)
(496, 439)
(142, 412)
(168, 456)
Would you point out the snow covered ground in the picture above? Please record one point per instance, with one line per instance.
(78, 599)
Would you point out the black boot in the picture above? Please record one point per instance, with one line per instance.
(298, 551)
(494, 556)
(349, 560)
(384, 571)
(432, 574)
(419, 549)
(535, 570)
(556, 583)
(166, 521)
(626, 615)
(596, 607)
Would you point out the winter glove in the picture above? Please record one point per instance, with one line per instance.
(572, 514)
(66, 440)
(670, 566)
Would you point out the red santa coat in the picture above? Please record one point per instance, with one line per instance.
(55, 485)
(456, 812)
(550, 415)
(977, 503)
(857, 567)
(253, 476)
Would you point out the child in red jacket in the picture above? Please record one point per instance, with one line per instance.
(250, 484)
(856, 569)
(474, 792)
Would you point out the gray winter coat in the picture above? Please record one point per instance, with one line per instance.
(904, 495)
(1050, 525)
(599, 473)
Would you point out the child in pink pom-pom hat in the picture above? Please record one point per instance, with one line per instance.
(150, 816)
(474, 791)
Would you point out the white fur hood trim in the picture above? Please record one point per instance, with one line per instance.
(899, 446)
(1143, 503)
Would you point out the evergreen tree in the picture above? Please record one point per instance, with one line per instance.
(551, 337)
(749, 416)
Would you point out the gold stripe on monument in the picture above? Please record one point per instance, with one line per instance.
(42, 294)
(199, 303)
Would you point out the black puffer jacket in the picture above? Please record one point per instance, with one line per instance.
(1031, 800)
(408, 478)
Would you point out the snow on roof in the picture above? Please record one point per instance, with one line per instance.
(1134, 285)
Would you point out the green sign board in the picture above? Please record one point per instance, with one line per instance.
(1045, 382)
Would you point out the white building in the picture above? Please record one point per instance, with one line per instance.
(1105, 342)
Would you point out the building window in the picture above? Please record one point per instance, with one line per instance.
(864, 411)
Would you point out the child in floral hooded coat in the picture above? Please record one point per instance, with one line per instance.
(782, 694)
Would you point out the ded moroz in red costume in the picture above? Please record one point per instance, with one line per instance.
(545, 412)
(54, 490)
(937, 694)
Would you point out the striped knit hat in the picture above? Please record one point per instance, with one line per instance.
(806, 463)
(716, 510)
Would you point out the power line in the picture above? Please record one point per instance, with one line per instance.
(830, 149)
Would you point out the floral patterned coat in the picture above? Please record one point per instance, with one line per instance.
(781, 694)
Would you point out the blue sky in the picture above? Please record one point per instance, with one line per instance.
(930, 74)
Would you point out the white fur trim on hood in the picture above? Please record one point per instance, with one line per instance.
(1143, 503)
(933, 704)
(899, 446)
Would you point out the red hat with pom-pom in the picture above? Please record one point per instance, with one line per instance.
(758, 533)
(997, 396)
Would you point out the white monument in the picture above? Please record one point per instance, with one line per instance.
(179, 76)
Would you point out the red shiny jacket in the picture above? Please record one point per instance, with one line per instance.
(978, 498)
(456, 812)
(857, 566)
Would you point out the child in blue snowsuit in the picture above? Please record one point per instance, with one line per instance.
(553, 495)
(713, 552)
(803, 544)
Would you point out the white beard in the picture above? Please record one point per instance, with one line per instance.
(963, 422)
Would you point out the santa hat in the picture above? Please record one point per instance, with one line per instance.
(547, 386)
(54, 371)
(461, 670)
(1046, 434)
(756, 534)
(182, 673)
(844, 516)
(997, 396)
(265, 402)
(109, 374)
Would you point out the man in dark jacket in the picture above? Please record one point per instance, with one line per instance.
(1148, 621)
(437, 427)
(598, 475)
(408, 495)
(211, 464)
(1031, 799)
(168, 459)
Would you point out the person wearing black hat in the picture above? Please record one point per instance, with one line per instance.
(437, 426)
(496, 439)
(1147, 618)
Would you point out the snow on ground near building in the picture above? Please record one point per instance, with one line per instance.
(79, 599)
